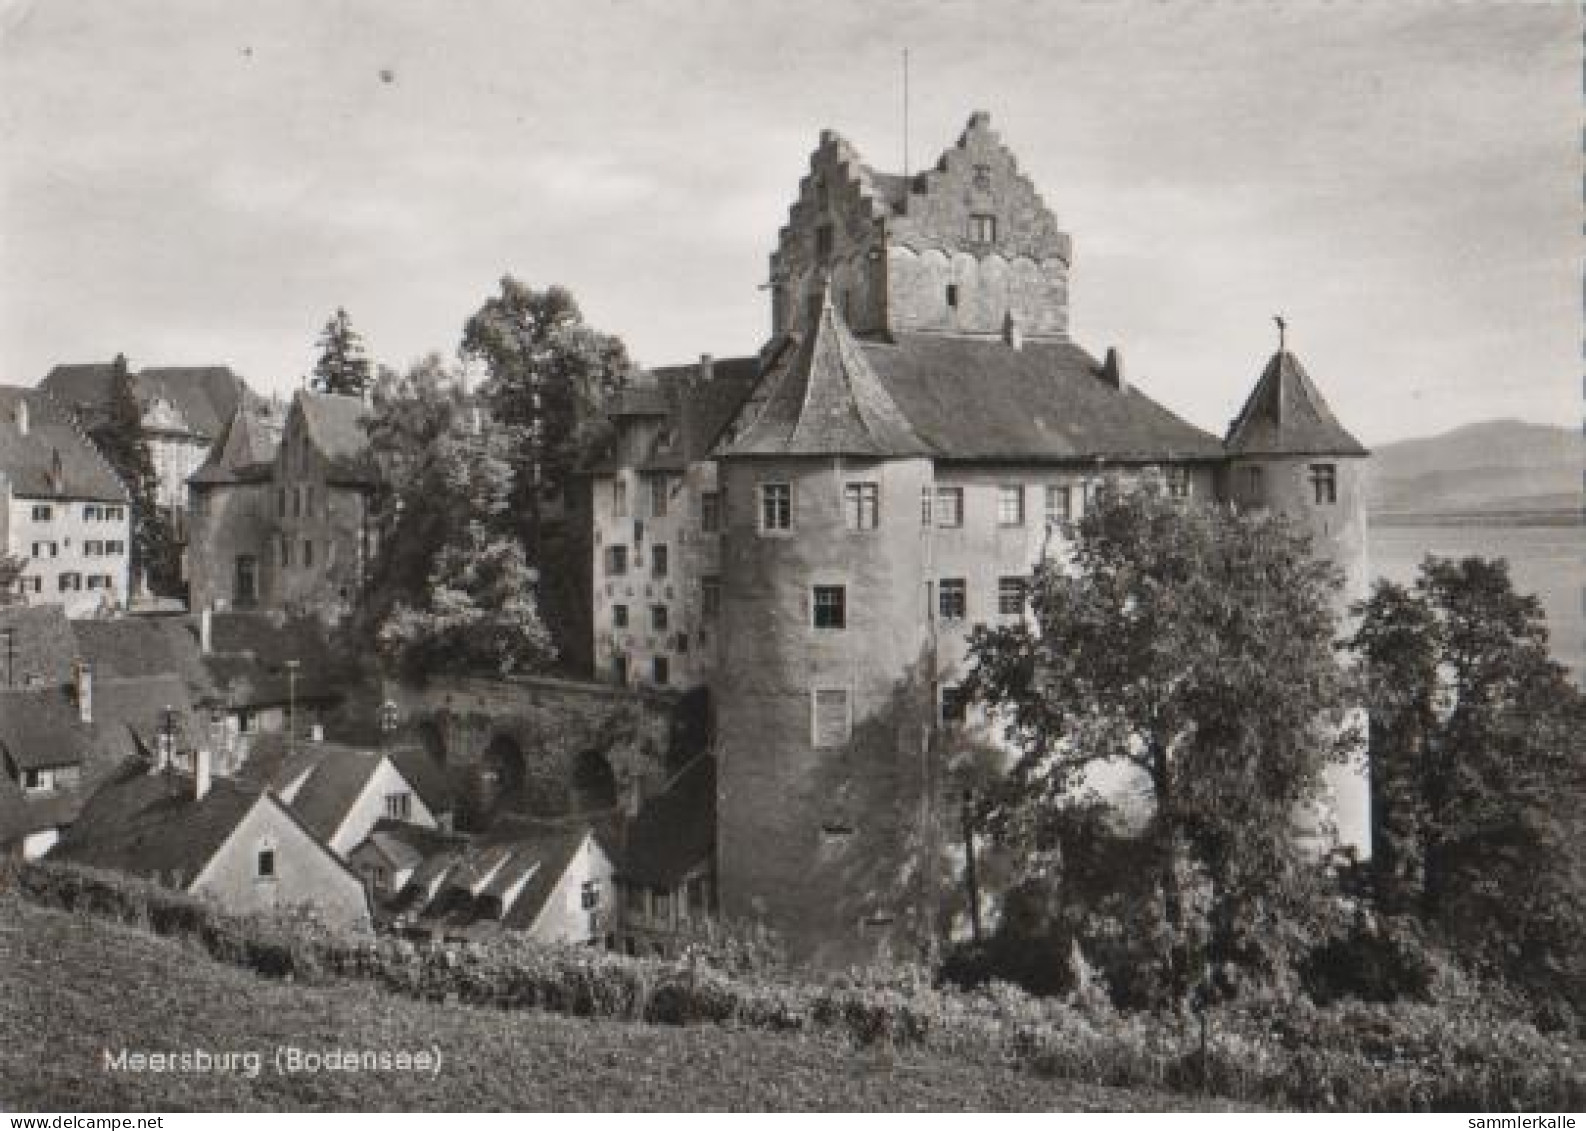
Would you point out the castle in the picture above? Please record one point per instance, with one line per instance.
(825, 522)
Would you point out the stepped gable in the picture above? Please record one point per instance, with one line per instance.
(864, 193)
(980, 399)
(1287, 415)
(979, 173)
(822, 398)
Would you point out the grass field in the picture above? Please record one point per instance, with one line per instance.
(72, 987)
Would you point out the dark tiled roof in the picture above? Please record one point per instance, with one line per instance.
(822, 398)
(82, 389)
(981, 399)
(21, 815)
(675, 830)
(335, 428)
(138, 705)
(1286, 415)
(696, 410)
(205, 395)
(249, 651)
(44, 644)
(425, 775)
(41, 728)
(336, 777)
(53, 459)
(409, 845)
(640, 400)
(134, 647)
(245, 450)
(150, 824)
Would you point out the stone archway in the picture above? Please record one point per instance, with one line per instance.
(594, 784)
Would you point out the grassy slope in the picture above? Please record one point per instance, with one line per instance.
(71, 986)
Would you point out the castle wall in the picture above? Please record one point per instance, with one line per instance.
(831, 845)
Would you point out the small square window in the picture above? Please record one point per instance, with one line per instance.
(1010, 505)
(982, 228)
(616, 560)
(1010, 596)
(42, 512)
(1178, 483)
(658, 618)
(658, 561)
(619, 616)
(265, 865)
(399, 806)
(589, 895)
(660, 670)
(949, 506)
(952, 600)
(861, 505)
(710, 597)
(830, 606)
(1059, 504)
(776, 506)
(955, 705)
(952, 295)
(1324, 483)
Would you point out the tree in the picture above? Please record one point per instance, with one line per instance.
(12, 567)
(550, 375)
(450, 586)
(154, 553)
(343, 367)
(1478, 755)
(1193, 646)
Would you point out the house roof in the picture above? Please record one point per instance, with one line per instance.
(43, 644)
(248, 655)
(427, 776)
(695, 406)
(21, 815)
(675, 829)
(823, 398)
(41, 728)
(135, 647)
(408, 845)
(1286, 415)
(334, 424)
(52, 459)
(245, 450)
(205, 395)
(542, 851)
(150, 824)
(336, 778)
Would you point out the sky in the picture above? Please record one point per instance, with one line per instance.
(206, 181)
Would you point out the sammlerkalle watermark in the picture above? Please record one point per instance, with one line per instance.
(287, 1060)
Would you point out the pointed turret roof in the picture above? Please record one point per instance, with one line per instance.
(822, 398)
(1286, 415)
(244, 450)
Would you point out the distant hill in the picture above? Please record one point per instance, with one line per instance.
(1497, 467)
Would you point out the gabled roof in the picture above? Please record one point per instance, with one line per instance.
(245, 450)
(427, 776)
(1286, 415)
(52, 459)
(150, 824)
(136, 647)
(823, 398)
(41, 728)
(333, 778)
(249, 651)
(205, 395)
(675, 830)
(696, 408)
(43, 644)
(334, 424)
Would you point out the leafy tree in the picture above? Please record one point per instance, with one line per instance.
(1194, 648)
(450, 585)
(550, 374)
(1478, 753)
(154, 553)
(12, 567)
(343, 366)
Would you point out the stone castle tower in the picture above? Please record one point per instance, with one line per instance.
(919, 425)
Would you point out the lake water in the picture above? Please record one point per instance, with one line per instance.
(1549, 561)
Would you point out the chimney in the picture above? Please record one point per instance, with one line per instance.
(83, 678)
(1112, 370)
(1011, 333)
(707, 367)
(22, 415)
(206, 631)
(202, 775)
(316, 733)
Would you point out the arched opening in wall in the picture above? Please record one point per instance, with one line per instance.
(502, 770)
(433, 739)
(594, 783)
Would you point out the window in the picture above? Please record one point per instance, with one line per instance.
(308, 553)
(660, 670)
(114, 514)
(982, 178)
(710, 512)
(1010, 505)
(949, 506)
(619, 497)
(776, 506)
(658, 618)
(1010, 596)
(982, 228)
(619, 616)
(658, 563)
(823, 241)
(42, 512)
(952, 601)
(1059, 504)
(92, 512)
(46, 549)
(265, 865)
(831, 723)
(616, 560)
(589, 895)
(955, 705)
(1178, 483)
(115, 546)
(658, 494)
(297, 502)
(1252, 483)
(71, 582)
(246, 722)
(619, 669)
(1324, 482)
(399, 806)
(93, 548)
(286, 550)
(830, 606)
(927, 505)
(861, 505)
(710, 597)
(96, 581)
(952, 295)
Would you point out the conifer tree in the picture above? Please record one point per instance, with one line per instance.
(343, 366)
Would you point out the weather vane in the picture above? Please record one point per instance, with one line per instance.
(1282, 329)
